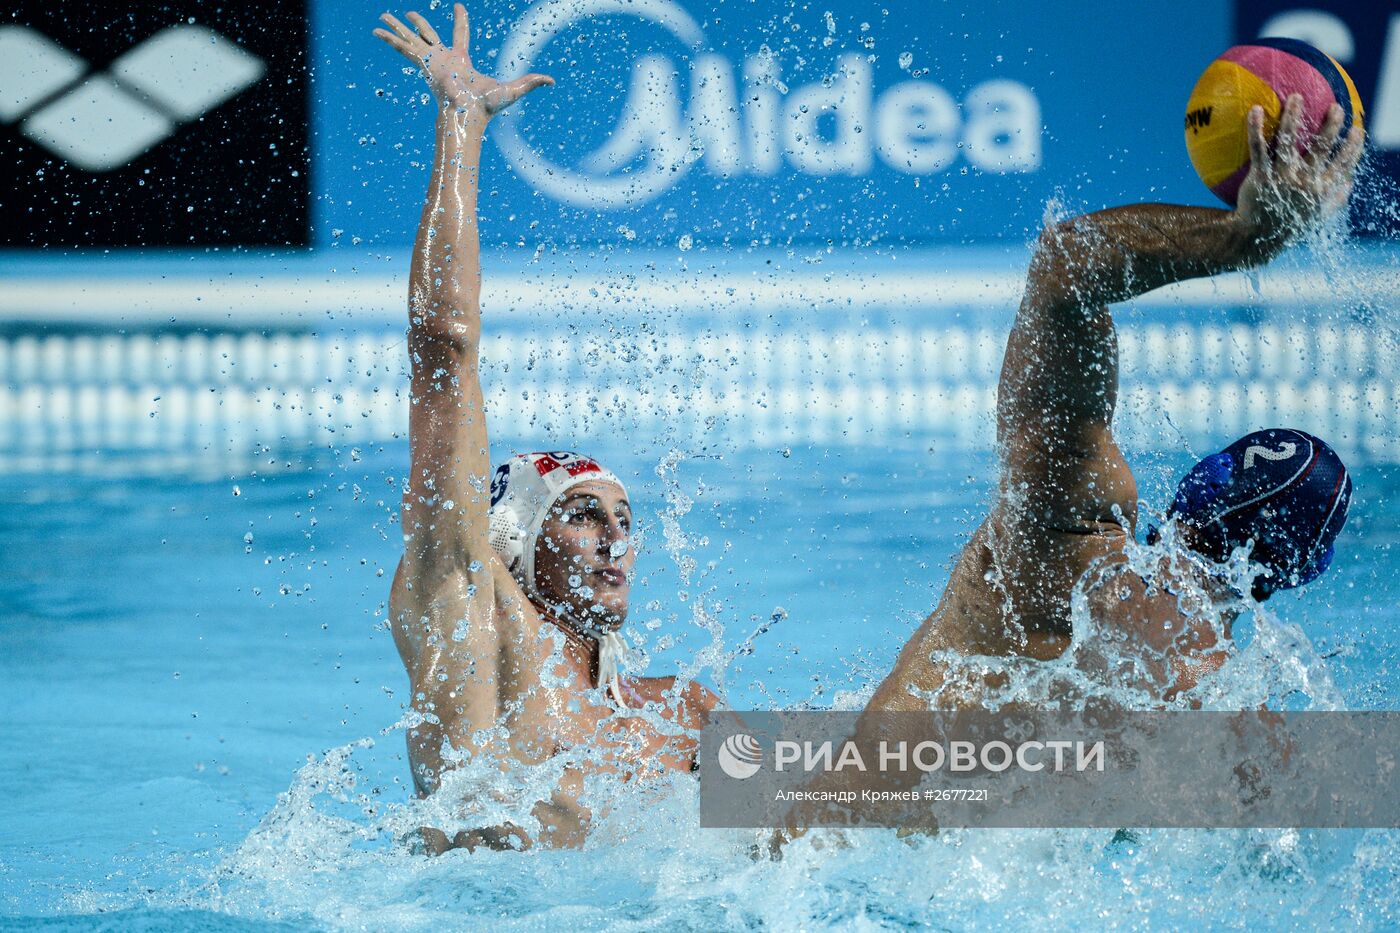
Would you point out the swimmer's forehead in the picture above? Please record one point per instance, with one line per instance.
(601, 491)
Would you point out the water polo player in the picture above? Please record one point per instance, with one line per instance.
(494, 567)
(1067, 501)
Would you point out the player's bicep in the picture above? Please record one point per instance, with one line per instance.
(465, 649)
(1059, 377)
(1055, 404)
(447, 496)
(1082, 487)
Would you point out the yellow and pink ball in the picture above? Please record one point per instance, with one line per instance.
(1264, 72)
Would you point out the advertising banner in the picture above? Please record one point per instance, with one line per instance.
(673, 123)
(851, 123)
(154, 124)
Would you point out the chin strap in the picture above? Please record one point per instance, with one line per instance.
(612, 655)
(613, 650)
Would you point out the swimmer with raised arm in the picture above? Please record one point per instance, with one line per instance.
(495, 566)
(1066, 503)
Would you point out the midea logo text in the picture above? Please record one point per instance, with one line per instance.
(747, 121)
(101, 121)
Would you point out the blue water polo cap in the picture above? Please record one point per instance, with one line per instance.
(1283, 489)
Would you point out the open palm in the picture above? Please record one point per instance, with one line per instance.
(449, 68)
(1295, 182)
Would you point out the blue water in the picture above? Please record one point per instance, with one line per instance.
(176, 648)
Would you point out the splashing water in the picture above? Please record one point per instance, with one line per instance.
(309, 864)
(333, 851)
(335, 854)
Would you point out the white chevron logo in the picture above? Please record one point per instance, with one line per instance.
(102, 120)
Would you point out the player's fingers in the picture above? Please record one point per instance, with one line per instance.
(460, 33)
(522, 86)
(1258, 146)
(1343, 192)
(1286, 141)
(399, 45)
(425, 28)
(408, 35)
(1337, 181)
(1325, 139)
(1336, 198)
(508, 93)
(1344, 165)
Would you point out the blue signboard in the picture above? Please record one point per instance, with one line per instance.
(853, 123)
(677, 123)
(1364, 37)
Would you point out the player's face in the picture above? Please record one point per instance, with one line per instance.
(583, 557)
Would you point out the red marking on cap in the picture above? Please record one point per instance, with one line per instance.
(583, 465)
(546, 464)
(1332, 502)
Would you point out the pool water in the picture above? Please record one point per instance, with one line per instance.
(201, 705)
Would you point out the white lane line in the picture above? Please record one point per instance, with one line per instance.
(287, 299)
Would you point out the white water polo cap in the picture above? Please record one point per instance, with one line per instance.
(523, 490)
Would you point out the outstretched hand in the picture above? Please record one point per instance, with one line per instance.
(449, 68)
(1290, 188)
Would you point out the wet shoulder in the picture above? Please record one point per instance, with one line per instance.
(970, 616)
(1155, 610)
(693, 703)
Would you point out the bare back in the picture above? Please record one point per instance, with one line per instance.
(1065, 502)
(1066, 499)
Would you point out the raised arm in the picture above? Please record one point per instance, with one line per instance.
(458, 648)
(446, 502)
(1059, 380)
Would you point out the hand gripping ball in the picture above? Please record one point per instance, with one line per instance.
(1263, 72)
